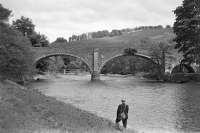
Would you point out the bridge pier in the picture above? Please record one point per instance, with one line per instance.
(95, 76)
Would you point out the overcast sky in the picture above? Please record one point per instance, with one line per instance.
(62, 18)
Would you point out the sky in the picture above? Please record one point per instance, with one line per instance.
(63, 18)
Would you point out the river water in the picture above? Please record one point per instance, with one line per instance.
(153, 107)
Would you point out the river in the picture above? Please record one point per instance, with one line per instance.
(153, 107)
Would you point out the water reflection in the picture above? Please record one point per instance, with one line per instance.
(189, 111)
(154, 107)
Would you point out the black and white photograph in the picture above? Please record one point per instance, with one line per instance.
(99, 66)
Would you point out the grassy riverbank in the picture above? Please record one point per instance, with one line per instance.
(28, 111)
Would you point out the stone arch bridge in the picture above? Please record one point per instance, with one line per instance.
(94, 57)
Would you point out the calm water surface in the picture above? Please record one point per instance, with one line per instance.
(154, 107)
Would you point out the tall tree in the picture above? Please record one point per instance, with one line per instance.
(15, 53)
(24, 25)
(38, 40)
(187, 30)
(43, 40)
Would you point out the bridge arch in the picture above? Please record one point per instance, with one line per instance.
(120, 55)
(62, 54)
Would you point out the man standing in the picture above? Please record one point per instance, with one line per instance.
(122, 113)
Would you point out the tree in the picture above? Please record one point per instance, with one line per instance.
(168, 26)
(61, 40)
(130, 51)
(43, 40)
(24, 25)
(42, 65)
(162, 53)
(34, 38)
(15, 53)
(38, 40)
(187, 30)
(115, 33)
(27, 28)
(4, 14)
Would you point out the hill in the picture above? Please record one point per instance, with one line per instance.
(138, 39)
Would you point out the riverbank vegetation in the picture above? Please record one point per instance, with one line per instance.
(15, 51)
(187, 30)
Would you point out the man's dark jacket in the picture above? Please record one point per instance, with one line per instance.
(122, 108)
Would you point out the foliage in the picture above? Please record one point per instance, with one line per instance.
(162, 54)
(15, 53)
(187, 30)
(50, 64)
(128, 65)
(148, 27)
(78, 37)
(4, 13)
(60, 39)
(43, 40)
(27, 28)
(38, 40)
(157, 51)
(130, 51)
(42, 65)
(115, 33)
(100, 34)
(168, 26)
(72, 63)
(58, 63)
(24, 25)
